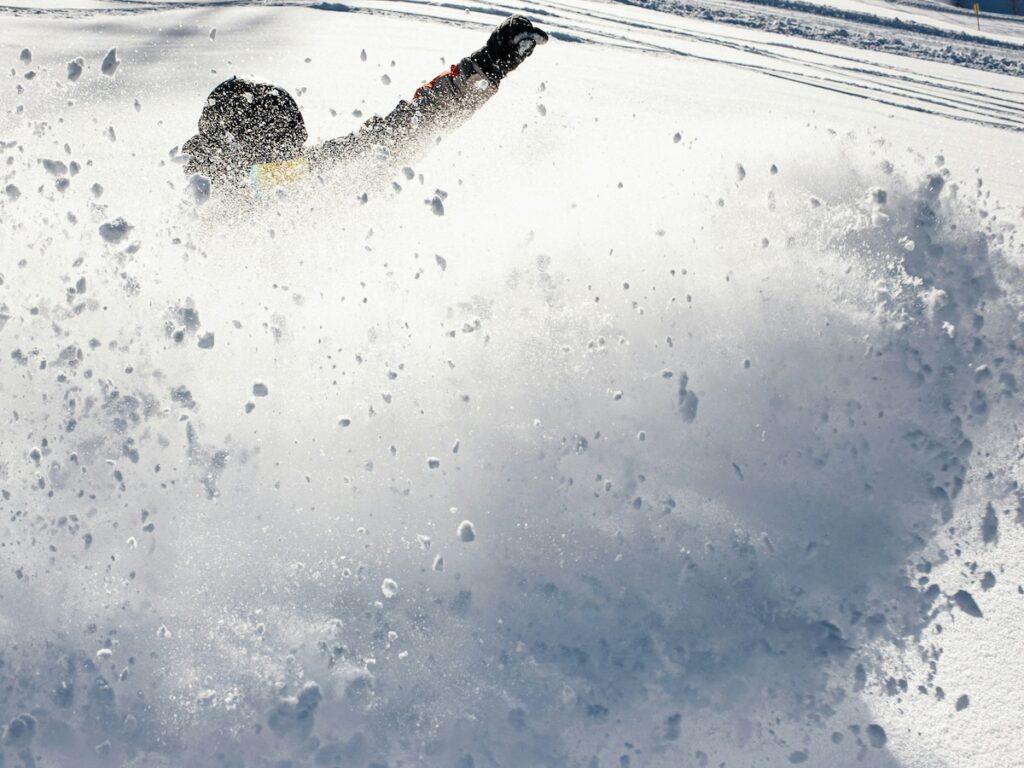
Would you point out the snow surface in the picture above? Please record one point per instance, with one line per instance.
(689, 435)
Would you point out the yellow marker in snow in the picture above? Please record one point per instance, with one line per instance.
(977, 14)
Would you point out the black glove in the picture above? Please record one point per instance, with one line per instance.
(510, 42)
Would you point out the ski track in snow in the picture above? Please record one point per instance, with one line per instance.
(686, 439)
(891, 84)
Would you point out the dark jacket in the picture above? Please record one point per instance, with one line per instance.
(252, 135)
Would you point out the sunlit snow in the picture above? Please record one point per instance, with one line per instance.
(666, 413)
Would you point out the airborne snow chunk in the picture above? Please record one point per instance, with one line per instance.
(115, 231)
(199, 188)
(55, 167)
(876, 735)
(75, 67)
(965, 602)
(688, 400)
(110, 63)
(990, 525)
(466, 531)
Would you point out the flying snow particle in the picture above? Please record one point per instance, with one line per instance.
(441, 262)
(466, 531)
(677, 138)
(876, 735)
(55, 167)
(345, 421)
(259, 389)
(741, 172)
(213, 33)
(542, 110)
(12, 192)
(75, 67)
(688, 400)
(990, 525)
(963, 703)
(110, 63)
(206, 341)
(965, 602)
(438, 564)
(20, 731)
(25, 56)
(362, 55)
(433, 462)
(199, 188)
(436, 206)
(389, 588)
(385, 79)
(115, 231)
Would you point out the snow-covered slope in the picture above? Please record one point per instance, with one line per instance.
(922, 31)
(715, 349)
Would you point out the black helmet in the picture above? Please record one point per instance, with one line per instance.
(244, 123)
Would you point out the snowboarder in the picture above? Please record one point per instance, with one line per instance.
(253, 135)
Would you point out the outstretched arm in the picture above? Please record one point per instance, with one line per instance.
(440, 105)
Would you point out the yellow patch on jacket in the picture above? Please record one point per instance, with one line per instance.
(266, 177)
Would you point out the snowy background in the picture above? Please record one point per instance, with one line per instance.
(688, 435)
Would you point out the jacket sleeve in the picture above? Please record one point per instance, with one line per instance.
(407, 132)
